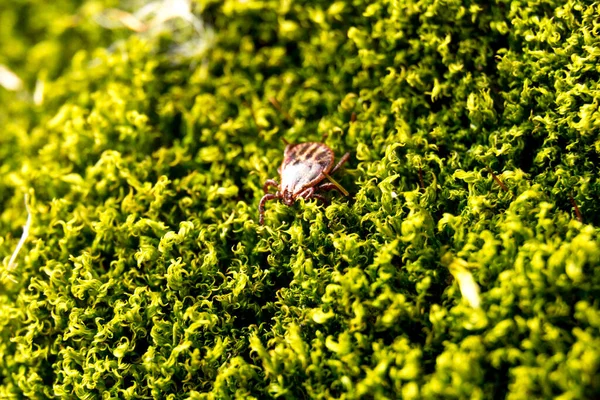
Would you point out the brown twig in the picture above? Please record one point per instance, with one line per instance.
(498, 181)
(353, 117)
(276, 104)
(421, 178)
(577, 212)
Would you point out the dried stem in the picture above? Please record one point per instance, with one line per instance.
(12, 262)
(276, 104)
(577, 212)
(498, 181)
(341, 189)
(421, 179)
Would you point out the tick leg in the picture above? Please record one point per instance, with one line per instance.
(309, 193)
(261, 207)
(327, 186)
(322, 198)
(344, 158)
(270, 182)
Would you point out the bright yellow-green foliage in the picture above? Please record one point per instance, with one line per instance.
(146, 274)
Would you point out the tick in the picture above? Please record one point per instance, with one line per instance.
(304, 167)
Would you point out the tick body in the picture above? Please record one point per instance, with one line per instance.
(304, 167)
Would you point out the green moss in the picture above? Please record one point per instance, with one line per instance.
(145, 273)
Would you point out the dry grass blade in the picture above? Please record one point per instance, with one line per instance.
(12, 262)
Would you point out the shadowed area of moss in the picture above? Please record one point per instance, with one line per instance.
(473, 133)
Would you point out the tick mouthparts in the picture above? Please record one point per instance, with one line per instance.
(288, 200)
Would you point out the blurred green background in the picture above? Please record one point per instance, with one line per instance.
(463, 265)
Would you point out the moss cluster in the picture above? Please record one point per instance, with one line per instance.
(474, 133)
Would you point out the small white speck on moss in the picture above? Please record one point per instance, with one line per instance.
(9, 80)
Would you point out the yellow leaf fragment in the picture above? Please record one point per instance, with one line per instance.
(320, 317)
(468, 287)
